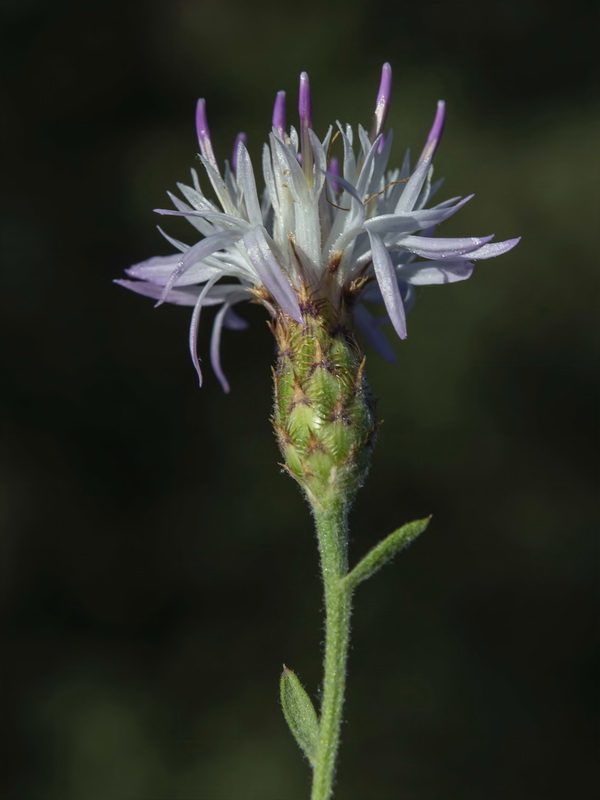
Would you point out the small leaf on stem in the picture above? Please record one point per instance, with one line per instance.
(300, 714)
(384, 552)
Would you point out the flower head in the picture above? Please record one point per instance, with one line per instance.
(319, 232)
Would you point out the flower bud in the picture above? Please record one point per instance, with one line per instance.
(324, 410)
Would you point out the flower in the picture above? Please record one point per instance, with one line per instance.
(348, 235)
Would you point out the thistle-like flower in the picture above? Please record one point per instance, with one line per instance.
(323, 239)
(321, 235)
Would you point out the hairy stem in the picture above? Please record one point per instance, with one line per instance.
(332, 534)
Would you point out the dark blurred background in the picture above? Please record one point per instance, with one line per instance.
(157, 568)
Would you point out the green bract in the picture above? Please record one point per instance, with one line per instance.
(324, 409)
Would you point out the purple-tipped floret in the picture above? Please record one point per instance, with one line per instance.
(305, 111)
(279, 114)
(305, 103)
(435, 134)
(383, 102)
(203, 132)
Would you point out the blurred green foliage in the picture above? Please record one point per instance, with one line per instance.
(157, 567)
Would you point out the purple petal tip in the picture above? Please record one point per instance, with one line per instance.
(201, 120)
(203, 131)
(385, 87)
(279, 114)
(305, 102)
(435, 134)
(383, 102)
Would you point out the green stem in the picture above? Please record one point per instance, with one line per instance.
(332, 533)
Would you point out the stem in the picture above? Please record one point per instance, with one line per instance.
(332, 532)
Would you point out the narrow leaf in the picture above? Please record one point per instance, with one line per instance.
(300, 714)
(385, 551)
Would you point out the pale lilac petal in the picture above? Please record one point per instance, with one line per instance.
(286, 164)
(412, 190)
(431, 247)
(371, 327)
(305, 102)
(241, 138)
(195, 197)
(270, 195)
(232, 292)
(247, 184)
(305, 112)
(204, 226)
(320, 161)
(158, 270)
(226, 221)
(428, 232)
(179, 297)
(425, 273)
(435, 134)
(219, 185)
(400, 224)
(384, 148)
(405, 168)
(193, 335)
(333, 171)
(355, 198)
(494, 249)
(367, 169)
(279, 114)
(203, 132)
(388, 283)
(156, 264)
(233, 321)
(449, 201)
(200, 251)
(215, 346)
(349, 157)
(175, 242)
(383, 103)
(270, 273)
(372, 293)
(188, 295)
